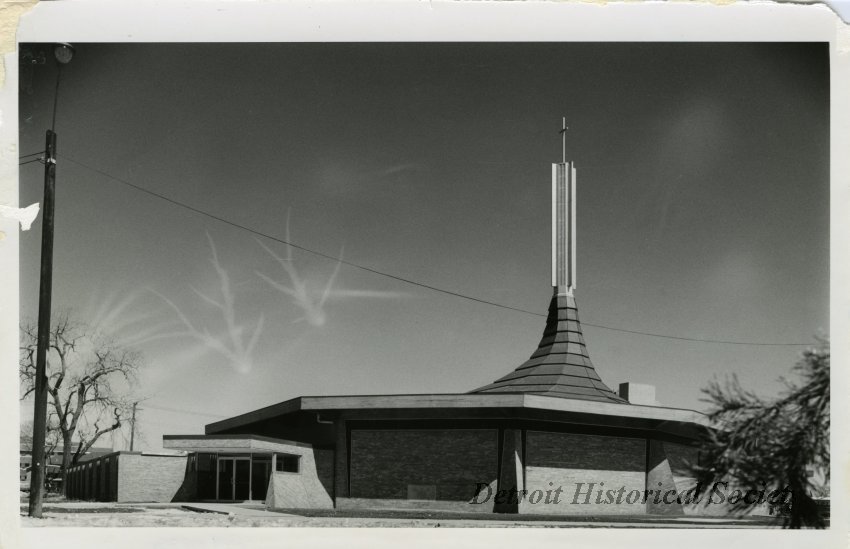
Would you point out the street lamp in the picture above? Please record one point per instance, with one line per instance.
(63, 54)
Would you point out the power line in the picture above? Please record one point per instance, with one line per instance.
(296, 246)
(39, 159)
(761, 344)
(407, 280)
(182, 411)
(31, 154)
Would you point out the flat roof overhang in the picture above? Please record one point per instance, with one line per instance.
(478, 406)
(236, 443)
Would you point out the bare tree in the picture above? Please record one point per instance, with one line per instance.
(89, 379)
(51, 438)
(773, 444)
(26, 435)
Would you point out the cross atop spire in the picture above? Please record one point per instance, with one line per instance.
(563, 133)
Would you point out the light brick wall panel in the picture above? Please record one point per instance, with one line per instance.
(149, 478)
(573, 462)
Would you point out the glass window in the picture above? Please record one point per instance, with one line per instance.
(287, 463)
(206, 462)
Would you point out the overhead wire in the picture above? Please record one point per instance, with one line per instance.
(403, 279)
(181, 410)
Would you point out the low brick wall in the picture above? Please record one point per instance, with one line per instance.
(128, 477)
(93, 480)
(150, 478)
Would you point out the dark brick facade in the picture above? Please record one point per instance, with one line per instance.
(438, 464)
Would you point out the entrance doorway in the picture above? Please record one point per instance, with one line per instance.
(234, 478)
(261, 468)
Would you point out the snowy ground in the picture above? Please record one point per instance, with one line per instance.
(90, 514)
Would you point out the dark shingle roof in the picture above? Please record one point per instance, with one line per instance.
(561, 365)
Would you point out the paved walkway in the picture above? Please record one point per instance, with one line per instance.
(254, 511)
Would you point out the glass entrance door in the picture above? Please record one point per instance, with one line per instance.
(261, 467)
(234, 478)
(242, 479)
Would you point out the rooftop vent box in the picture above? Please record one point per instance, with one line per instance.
(638, 393)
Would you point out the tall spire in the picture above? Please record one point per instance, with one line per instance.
(564, 222)
(561, 365)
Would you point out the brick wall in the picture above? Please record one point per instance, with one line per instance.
(113, 478)
(143, 478)
(87, 484)
(127, 477)
(422, 464)
(582, 466)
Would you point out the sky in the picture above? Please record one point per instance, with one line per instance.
(703, 196)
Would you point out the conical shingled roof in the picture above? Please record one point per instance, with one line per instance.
(560, 366)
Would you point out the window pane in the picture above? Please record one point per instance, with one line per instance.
(288, 463)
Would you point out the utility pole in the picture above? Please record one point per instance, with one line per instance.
(39, 423)
(133, 426)
(63, 54)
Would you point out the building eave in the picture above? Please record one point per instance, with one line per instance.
(228, 443)
(583, 411)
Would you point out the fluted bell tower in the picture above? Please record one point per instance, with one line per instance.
(561, 365)
(564, 224)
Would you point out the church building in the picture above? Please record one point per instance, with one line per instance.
(549, 437)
